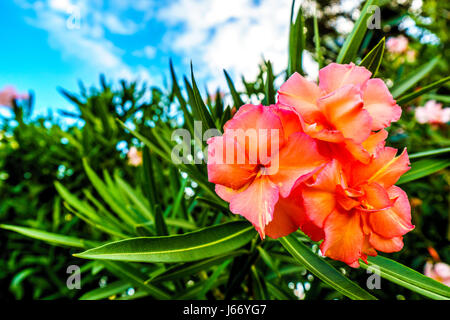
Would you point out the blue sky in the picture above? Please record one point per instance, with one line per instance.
(50, 43)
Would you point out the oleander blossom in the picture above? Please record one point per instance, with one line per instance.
(358, 207)
(433, 113)
(328, 172)
(397, 44)
(439, 271)
(256, 174)
(9, 94)
(347, 107)
(134, 157)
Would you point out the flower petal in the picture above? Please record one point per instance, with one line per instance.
(288, 216)
(227, 164)
(319, 197)
(226, 193)
(384, 169)
(296, 161)
(289, 120)
(257, 128)
(344, 237)
(313, 231)
(335, 76)
(344, 110)
(383, 244)
(375, 141)
(379, 103)
(365, 151)
(395, 221)
(375, 197)
(301, 94)
(256, 203)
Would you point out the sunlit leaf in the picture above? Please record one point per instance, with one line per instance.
(351, 45)
(205, 243)
(323, 269)
(423, 168)
(407, 277)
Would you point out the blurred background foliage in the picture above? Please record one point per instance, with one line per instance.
(73, 178)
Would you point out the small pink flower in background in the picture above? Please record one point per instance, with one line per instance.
(397, 44)
(9, 94)
(134, 157)
(411, 55)
(433, 113)
(439, 271)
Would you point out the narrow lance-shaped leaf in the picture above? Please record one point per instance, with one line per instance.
(213, 278)
(176, 90)
(202, 110)
(49, 237)
(234, 94)
(372, 60)
(412, 78)
(408, 97)
(105, 292)
(130, 273)
(422, 168)
(429, 153)
(438, 97)
(106, 195)
(268, 86)
(189, 269)
(296, 42)
(323, 269)
(160, 224)
(149, 177)
(407, 277)
(353, 41)
(317, 42)
(192, 246)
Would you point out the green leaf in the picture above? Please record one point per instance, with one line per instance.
(105, 292)
(103, 191)
(214, 203)
(52, 238)
(409, 278)
(192, 292)
(278, 292)
(236, 97)
(177, 92)
(296, 42)
(268, 86)
(323, 269)
(406, 98)
(422, 168)
(197, 104)
(201, 244)
(160, 224)
(412, 78)
(129, 273)
(209, 283)
(372, 60)
(438, 97)
(429, 153)
(189, 269)
(317, 43)
(141, 205)
(351, 45)
(265, 256)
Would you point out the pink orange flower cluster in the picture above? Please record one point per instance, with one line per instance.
(327, 171)
(9, 94)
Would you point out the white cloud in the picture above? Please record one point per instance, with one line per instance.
(119, 26)
(231, 34)
(148, 52)
(78, 28)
